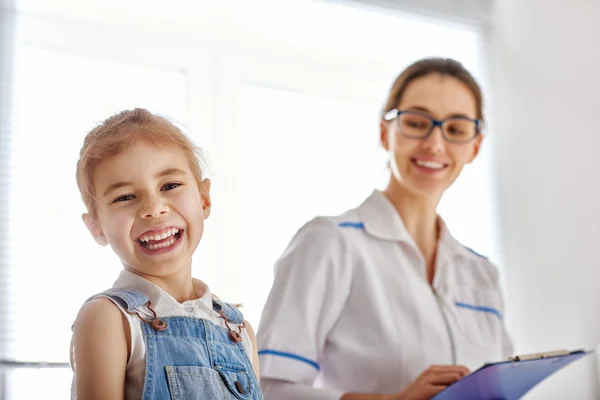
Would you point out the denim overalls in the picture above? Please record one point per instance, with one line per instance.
(190, 358)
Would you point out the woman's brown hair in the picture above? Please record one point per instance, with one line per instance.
(427, 66)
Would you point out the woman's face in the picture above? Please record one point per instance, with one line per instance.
(428, 166)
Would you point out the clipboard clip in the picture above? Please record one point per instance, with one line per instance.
(549, 354)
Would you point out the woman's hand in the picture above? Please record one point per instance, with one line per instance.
(431, 381)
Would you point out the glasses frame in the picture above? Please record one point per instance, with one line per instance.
(395, 113)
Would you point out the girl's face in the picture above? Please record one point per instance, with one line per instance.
(150, 209)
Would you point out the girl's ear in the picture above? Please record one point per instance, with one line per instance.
(205, 194)
(93, 226)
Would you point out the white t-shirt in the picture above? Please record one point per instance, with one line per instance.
(165, 306)
(351, 310)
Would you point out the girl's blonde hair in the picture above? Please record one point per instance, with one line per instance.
(120, 131)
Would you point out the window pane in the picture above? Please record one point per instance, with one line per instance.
(38, 383)
(56, 263)
(302, 155)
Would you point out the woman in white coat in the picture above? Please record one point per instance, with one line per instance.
(381, 302)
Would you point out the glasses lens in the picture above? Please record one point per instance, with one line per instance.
(460, 130)
(414, 125)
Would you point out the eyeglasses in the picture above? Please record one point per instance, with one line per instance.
(418, 125)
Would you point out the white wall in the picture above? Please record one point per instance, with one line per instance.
(545, 61)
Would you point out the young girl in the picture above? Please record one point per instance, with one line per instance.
(157, 333)
(381, 302)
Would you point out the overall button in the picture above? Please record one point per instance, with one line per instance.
(239, 387)
(159, 325)
(235, 336)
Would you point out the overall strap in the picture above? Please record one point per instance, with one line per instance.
(129, 300)
(230, 311)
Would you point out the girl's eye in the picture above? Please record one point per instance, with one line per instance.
(126, 197)
(170, 186)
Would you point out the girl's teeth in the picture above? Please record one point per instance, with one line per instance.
(161, 245)
(160, 236)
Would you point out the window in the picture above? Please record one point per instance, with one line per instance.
(55, 107)
(288, 115)
(287, 139)
(56, 265)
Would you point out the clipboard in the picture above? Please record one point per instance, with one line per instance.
(511, 379)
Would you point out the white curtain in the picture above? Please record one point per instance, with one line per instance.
(7, 43)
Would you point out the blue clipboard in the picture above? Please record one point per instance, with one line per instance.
(509, 380)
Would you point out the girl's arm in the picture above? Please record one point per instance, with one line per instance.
(254, 350)
(101, 340)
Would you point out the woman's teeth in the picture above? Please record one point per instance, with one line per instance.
(429, 164)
